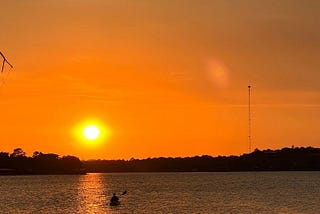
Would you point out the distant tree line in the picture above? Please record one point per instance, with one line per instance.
(18, 163)
(286, 159)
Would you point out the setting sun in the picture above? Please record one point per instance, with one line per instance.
(91, 132)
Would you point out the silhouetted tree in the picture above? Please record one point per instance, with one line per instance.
(71, 163)
(39, 163)
(4, 159)
(18, 152)
(4, 155)
(36, 154)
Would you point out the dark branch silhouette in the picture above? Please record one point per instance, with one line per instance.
(4, 61)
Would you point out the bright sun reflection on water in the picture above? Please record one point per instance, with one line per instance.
(95, 191)
(92, 196)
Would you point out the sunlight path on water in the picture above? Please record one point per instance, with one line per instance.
(91, 194)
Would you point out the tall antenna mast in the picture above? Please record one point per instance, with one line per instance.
(249, 118)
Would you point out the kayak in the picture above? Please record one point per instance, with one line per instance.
(114, 203)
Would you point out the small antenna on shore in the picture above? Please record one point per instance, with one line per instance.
(249, 118)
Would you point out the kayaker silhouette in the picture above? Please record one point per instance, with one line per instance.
(114, 201)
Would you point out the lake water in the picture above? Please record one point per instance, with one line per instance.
(239, 192)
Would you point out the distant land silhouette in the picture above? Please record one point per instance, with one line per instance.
(17, 163)
(286, 159)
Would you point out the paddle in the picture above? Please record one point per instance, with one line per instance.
(123, 193)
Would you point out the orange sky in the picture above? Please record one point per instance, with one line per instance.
(169, 78)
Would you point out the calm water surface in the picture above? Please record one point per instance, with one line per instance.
(260, 192)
